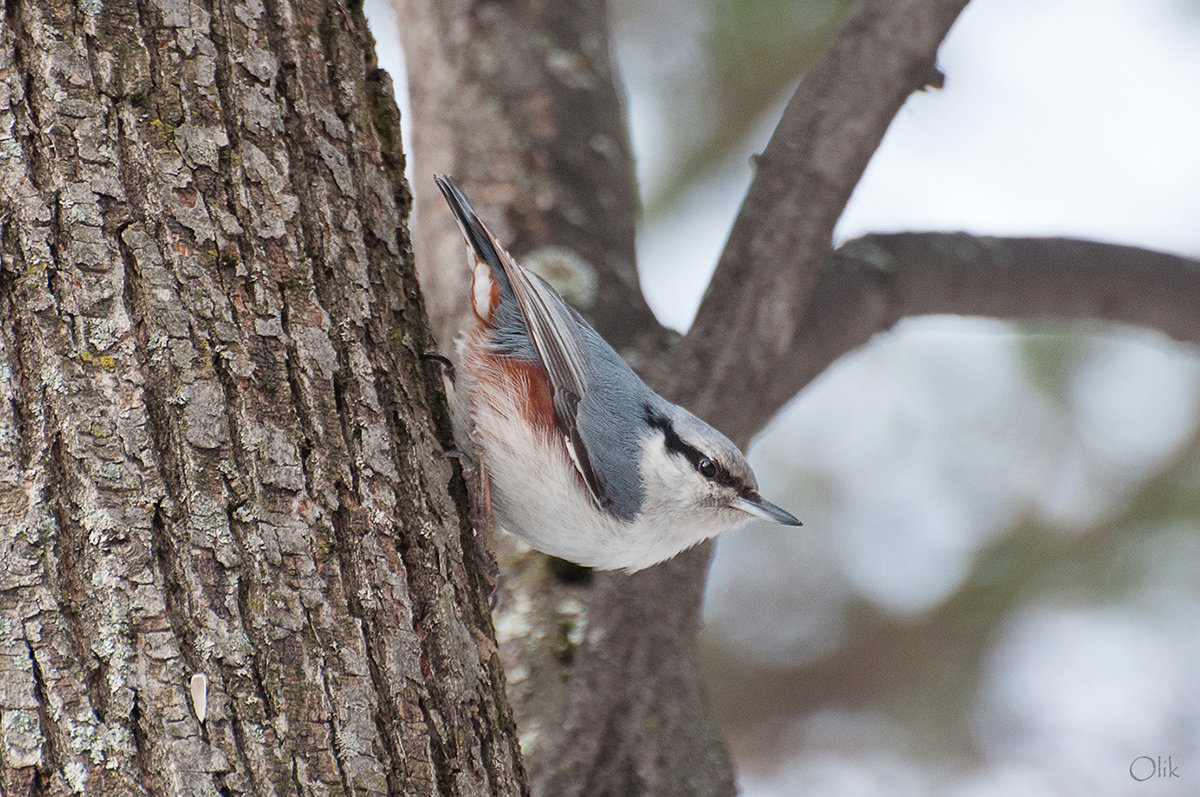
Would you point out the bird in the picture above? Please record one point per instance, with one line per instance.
(576, 454)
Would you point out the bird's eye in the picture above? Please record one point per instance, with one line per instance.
(706, 467)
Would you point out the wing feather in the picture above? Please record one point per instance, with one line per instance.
(551, 329)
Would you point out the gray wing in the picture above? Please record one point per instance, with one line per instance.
(551, 329)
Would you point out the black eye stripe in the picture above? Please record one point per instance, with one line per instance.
(704, 465)
(671, 438)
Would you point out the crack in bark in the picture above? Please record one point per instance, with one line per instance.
(141, 742)
(296, 780)
(261, 645)
(27, 111)
(346, 544)
(22, 418)
(300, 401)
(442, 770)
(147, 30)
(237, 727)
(50, 730)
(70, 541)
(261, 651)
(335, 745)
(228, 118)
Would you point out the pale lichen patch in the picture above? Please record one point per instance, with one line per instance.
(102, 333)
(52, 379)
(22, 738)
(77, 776)
(574, 277)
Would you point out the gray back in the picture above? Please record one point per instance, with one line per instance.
(610, 411)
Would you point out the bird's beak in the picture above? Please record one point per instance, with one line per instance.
(753, 504)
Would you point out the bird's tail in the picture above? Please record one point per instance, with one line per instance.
(478, 236)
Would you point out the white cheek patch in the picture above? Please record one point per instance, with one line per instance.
(481, 290)
(676, 481)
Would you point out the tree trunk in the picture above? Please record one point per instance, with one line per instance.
(232, 557)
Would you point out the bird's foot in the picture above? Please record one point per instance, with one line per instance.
(443, 361)
(470, 468)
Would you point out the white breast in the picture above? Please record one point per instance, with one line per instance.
(536, 491)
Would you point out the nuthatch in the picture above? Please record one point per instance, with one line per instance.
(578, 456)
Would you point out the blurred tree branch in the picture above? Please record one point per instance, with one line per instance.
(751, 314)
(870, 283)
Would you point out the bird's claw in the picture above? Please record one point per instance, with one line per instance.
(464, 459)
(443, 361)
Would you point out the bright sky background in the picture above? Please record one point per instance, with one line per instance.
(1076, 117)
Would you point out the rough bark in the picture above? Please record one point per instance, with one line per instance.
(219, 450)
